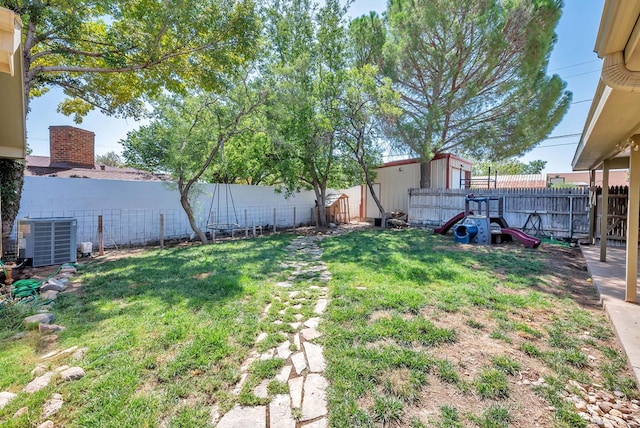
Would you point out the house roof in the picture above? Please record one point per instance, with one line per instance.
(613, 116)
(38, 166)
(522, 181)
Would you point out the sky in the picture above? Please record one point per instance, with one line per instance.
(572, 59)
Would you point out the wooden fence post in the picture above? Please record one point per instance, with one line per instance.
(100, 237)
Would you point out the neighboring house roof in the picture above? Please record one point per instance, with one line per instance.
(38, 166)
(523, 181)
(616, 178)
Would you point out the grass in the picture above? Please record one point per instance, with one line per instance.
(167, 332)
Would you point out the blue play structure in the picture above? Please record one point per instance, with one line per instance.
(482, 222)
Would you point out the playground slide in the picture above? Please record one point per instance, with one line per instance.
(526, 240)
(442, 230)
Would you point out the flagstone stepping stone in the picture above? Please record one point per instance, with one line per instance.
(49, 295)
(52, 406)
(312, 322)
(296, 340)
(284, 374)
(261, 390)
(284, 284)
(283, 350)
(315, 358)
(244, 417)
(240, 384)
(267, 355)
(297, 307)
(293, 294)
(262, 336)
(280, 412)
(310, 333)
(39, 370)
(298, 361)
(320, 423)
(46, 424)
(298, 317)
(50, 328)
(38, 383)
(314, 404)
(295, 391)
(295, 325)
(72, 373)
(21, 411)
(321, 306)
(6, 397)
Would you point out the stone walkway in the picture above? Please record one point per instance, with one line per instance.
(304, 291)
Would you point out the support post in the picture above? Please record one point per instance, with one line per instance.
(254, 230)
(633, 216)
(274, 220)
(604, 211)
(294, 218)
(100, 237)
(213, 226)
(593, 198)
(161, 230)
(246, 225)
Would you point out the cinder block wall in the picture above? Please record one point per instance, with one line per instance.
(71, 147)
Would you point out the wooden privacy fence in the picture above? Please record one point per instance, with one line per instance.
(562, 213)
(617, 218)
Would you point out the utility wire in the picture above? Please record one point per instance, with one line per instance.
(575, 65)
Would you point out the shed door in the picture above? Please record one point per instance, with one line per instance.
(372, 210)
(455, 178)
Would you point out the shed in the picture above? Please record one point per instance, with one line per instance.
(337, 208)
(394, 179)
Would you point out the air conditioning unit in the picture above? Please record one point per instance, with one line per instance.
(47, 241)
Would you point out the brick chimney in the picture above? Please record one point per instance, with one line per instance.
(71, 147)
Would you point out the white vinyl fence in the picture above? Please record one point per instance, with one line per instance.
(131, 210)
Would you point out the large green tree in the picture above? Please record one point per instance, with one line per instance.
(306, 73)
(472, 76)
(511, 166)
(113, 54)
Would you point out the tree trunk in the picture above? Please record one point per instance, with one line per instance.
(186, 205)
(425, 174)
(367, 178)
(322, 212)
(11, 181)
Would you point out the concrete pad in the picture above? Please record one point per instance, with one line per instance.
(280, 412)
(295, 391)
(314, 404)
(609, 279)
(243, 417)
(315, 358)
(299, 362)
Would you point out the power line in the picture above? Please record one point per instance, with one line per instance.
(556, 145)
(581, 74)
(574, 65)
(555, 137)
(582, 101)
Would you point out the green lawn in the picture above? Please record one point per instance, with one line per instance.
(413, 321)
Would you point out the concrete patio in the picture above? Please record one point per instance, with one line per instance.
(609, 278)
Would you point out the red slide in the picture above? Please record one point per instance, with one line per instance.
(442, 230)
(526, 240)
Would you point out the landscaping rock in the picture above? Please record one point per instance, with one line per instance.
(320, 423)
(260, 391)
(21, 411)
(310, 333)
(312, 322)
(299, 362)
(52, 406)
(39, 370)
(53, 284)
(72, 373)
(6, 397)
(50, 328)
(19, 335)
(79, 354)
(316, 360)
(49, 295)
(295, 391)
(38, 383)
(35, 320)
(47, 424)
